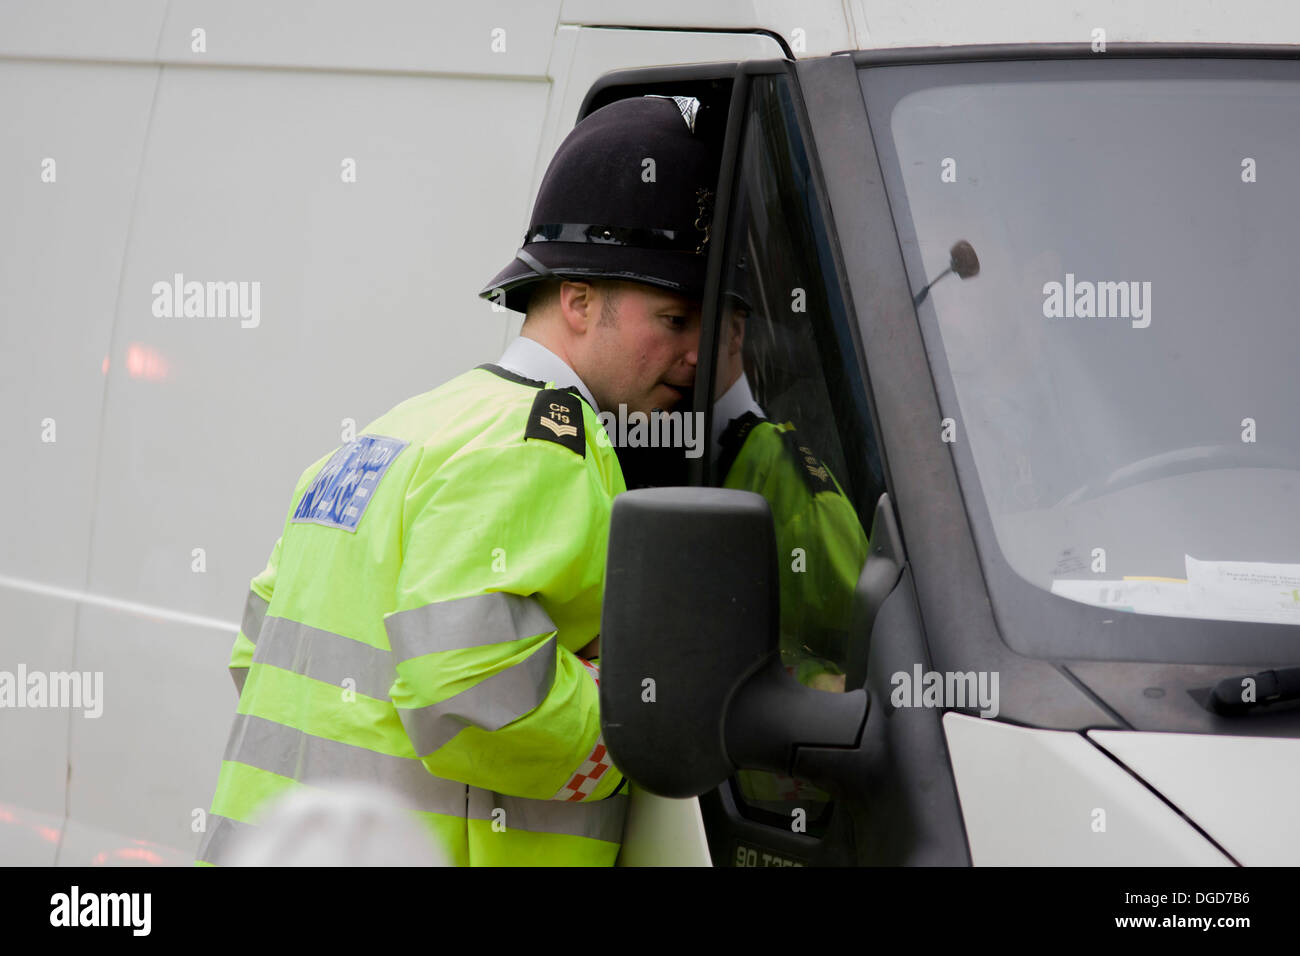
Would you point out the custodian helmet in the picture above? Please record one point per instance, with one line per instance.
(628, 195)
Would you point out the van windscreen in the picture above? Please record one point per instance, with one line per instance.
(1121, 378)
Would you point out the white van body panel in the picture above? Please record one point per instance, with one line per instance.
(1050, 798)
(177, 439)
(1239, 790)
(663, 832)
(946, 22)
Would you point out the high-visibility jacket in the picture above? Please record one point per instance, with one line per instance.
(417, 623)
(820, 544)
(821, 549)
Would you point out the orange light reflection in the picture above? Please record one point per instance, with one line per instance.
(145, 362)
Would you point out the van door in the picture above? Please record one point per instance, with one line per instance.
(791, 421)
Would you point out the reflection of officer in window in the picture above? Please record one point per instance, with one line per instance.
(820, 544)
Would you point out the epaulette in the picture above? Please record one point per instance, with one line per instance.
(815, 474)
(556, 416)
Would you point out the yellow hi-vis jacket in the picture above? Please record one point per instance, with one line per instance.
(821, 550)
(417, 623)
(821, 547)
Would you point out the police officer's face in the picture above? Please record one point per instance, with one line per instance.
(641, 347)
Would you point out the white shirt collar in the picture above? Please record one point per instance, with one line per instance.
(734, 402)
(532, 359)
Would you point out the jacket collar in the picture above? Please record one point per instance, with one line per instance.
(531, 359)
(734, 403)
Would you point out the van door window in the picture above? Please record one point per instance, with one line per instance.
(779, 426)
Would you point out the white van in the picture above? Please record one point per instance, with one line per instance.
(1077, 465)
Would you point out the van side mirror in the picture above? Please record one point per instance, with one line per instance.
(692, 686)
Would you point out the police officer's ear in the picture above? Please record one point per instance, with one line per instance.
(579, 305)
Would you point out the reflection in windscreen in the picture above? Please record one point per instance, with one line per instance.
(1126, 363)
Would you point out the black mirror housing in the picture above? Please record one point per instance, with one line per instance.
(692, 686)
(690, 612)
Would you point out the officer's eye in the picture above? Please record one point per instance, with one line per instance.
(676, 321)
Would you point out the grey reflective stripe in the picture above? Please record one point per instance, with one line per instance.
(240, 674)
(489, 704)
(276, 748)
(254, 612)
(595, 819)
(325, 656)
(464, 623)
(221, 832)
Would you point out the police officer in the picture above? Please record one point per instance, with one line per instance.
(425, 618)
